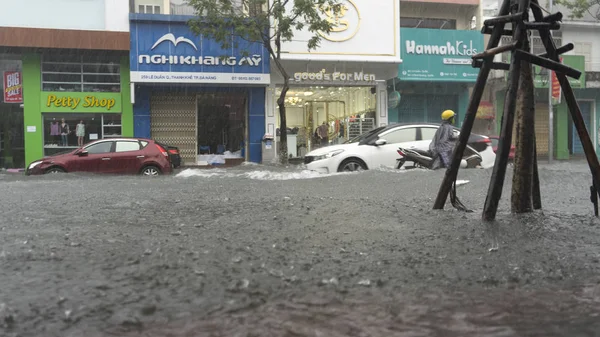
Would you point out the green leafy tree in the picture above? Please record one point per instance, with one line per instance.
(270, 23)
(579, 8)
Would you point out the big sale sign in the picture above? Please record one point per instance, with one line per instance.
(13, 87)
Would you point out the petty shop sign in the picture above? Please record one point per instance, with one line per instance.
(13, 87)
(80, 102)
(168, 52)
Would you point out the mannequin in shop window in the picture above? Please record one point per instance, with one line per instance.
(64, 133)
(55, 132)
(80, 133)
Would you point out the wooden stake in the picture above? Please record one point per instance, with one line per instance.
(569, 96)
(499, 171)
(469, 119)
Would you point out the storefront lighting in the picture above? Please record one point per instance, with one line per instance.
(308, 93)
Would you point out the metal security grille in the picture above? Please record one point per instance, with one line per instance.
(173, 122)
(541, 128)
(411, 109)
(436, 104)
(358, 126)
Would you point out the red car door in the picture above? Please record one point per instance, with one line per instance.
(127, 157)
(94, 158)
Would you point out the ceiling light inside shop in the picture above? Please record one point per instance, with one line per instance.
(308, 93)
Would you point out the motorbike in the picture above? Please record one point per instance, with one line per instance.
(424, 159)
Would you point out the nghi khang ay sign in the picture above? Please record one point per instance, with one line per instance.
(357, 76)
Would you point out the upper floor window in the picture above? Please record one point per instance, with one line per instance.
(81, 73)
(148, 9)
(427, 23)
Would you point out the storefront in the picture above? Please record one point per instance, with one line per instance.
(12, 143)
(337, 91)
(435, 74)
(74, 97)
(191, 93)
(566, 140)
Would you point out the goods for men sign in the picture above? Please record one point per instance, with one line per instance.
(13, 87)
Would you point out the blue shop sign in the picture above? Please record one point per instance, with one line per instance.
(168, 52)
(439, 54)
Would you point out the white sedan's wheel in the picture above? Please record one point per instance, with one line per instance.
(351, 166)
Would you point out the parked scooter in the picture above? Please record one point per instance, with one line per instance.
(424, 159)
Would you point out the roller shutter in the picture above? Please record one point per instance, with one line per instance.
(425, 108)
(411, 109)
(173, 122)
(436, 104)
(541, 128)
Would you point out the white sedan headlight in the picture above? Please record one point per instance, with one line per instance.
(328, 155)
(34, 164)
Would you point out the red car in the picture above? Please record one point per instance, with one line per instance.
(495, 140)
(119, 155)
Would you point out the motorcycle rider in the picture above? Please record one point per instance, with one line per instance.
(442, 144)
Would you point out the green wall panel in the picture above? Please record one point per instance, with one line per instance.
(126, 106)
(32, 77)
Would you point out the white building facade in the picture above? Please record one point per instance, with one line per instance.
(343, 82)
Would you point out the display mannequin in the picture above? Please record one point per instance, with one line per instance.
(80, 133)
(54, 132)
(64, 132)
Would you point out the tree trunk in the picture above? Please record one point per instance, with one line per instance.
(283, 152)
(522, 187)
(276, 58)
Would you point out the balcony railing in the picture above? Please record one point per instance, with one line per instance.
(182, 9)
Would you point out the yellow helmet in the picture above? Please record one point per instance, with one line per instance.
(448, 114)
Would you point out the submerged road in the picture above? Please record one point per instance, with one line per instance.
(257, 251)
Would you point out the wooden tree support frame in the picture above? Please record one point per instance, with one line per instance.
(515, 12)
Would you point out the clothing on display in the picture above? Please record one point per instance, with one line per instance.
(64, 132)
(80, 130)
(54, 129)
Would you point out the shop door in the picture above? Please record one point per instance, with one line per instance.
(586, 112)
(173, 122)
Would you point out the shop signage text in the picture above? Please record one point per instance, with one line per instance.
(460, 48)
(439, 54)
(253, 61)
(13, 87)
(73, 102)
(168, 52)
(80, 102)
(335, 76)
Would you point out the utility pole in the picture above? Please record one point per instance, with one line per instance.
(550, 108)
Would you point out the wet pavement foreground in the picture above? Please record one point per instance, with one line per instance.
(257, 251)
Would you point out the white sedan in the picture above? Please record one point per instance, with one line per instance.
(378, 148)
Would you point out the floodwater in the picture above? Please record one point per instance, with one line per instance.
(263, 251)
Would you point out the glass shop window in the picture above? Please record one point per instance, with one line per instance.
(81, 73)
(67, 131)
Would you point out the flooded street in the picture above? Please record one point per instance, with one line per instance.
(262, 251)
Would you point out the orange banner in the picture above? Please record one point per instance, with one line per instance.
(555, 87)
(485, 110)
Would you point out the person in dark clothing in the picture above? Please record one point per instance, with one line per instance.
(442, 145)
